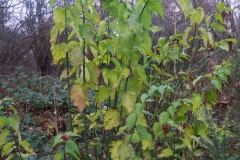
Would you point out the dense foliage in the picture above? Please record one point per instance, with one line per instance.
(134, 99)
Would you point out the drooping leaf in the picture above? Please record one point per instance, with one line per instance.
(111, 119)
(187, 142)
(94, 72)
(57, 139)
(7, 148)
(73, 146)
(79, 96)
(27, 147)
(3, 136)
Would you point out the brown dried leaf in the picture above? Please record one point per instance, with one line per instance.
(79, 96)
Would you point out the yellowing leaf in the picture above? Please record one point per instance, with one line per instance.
(7, 148)
(79, 95)
(145, 144)
(76, 56)
(128, 100)
(197, 100)
(114, 149)
(111, 119)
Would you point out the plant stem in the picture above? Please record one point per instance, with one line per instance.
(84, 82)
(64, 152)
(67, 65)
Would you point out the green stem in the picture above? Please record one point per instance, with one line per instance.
(67, 65)
(85, 135)
(84, 82)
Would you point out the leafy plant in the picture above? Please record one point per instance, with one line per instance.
(11, 143)
(151, 101)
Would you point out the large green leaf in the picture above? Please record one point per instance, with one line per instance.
(143, 133)
(146, 19)
(102, 94)
(86, 31)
